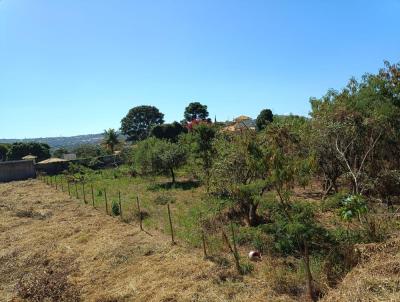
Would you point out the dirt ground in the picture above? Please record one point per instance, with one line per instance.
(56, 246)
(103, 258)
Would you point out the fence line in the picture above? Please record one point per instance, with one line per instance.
(52, 182)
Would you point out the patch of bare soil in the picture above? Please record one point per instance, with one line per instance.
(57, 248)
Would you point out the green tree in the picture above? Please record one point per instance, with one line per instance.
(110, 139)
(296, 228)
(3, 151)
(239, 173)
(154, 156)
(19, 150)
(169, 132)
(139, 120)
(264, 118)
(200, 142)
(358, 124)
(88, 150)
(60, 152)
(195, 110)
(297, 232)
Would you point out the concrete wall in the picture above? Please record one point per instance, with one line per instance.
(17, 170)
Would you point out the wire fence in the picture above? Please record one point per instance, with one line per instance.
(117, 206)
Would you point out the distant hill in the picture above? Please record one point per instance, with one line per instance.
(67, 142)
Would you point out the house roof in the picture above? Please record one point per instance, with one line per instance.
(241, 118)
(51, 160)
(29, 157)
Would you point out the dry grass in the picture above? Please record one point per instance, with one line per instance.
(113, 261)
(376, 278)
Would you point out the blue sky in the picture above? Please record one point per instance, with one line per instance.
(72, 67)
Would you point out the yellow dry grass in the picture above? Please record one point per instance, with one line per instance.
(114, 260)
(376, 278)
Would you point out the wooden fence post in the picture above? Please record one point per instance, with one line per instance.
(69, 188)
(170, 224)
(84, 193)
(140, 213)
(120, 204)
(76, 190)
(203, 237)
(91, 185)
(55, 180)
(105, 198)
(62, 185)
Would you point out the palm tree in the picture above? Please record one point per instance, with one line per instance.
(110, 139)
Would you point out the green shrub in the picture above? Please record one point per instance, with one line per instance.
(333, 202)
(246, 267)
(255, 237)
(115, 209)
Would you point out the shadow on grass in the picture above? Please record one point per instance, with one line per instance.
(182, 185)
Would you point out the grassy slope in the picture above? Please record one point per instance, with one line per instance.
(116, 260)
(113, 259)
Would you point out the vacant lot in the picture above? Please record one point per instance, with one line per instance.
(55, 246)
(46, 234)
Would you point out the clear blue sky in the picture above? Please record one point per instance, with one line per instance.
(77, 66)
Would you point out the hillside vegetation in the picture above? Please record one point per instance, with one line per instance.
(317, 198)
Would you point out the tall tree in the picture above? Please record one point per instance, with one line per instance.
(264, 118)
(139, 120)
(194, 111)
(239, 171)
(200, 140)
(110, 139)
(358, 123)
(88, 150)
(154, 156)
(19, 150)
(3, 151)
(169, 132)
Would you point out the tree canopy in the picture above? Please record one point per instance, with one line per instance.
(264, 118)
(359, 127)
(169, 132)
(88, 150)
(3, 151)
(139, 120)
(195, 110)
(110, 139)
(19, 150)
(153, 156)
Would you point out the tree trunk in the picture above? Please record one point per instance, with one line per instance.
(306, 259)
(253, 218)
(173, 175)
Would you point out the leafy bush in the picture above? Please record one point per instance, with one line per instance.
(154, 156)
(295, 225)
(353, 206)
(115, 209)
(74, 168)
(333, 202)
(254, 236)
